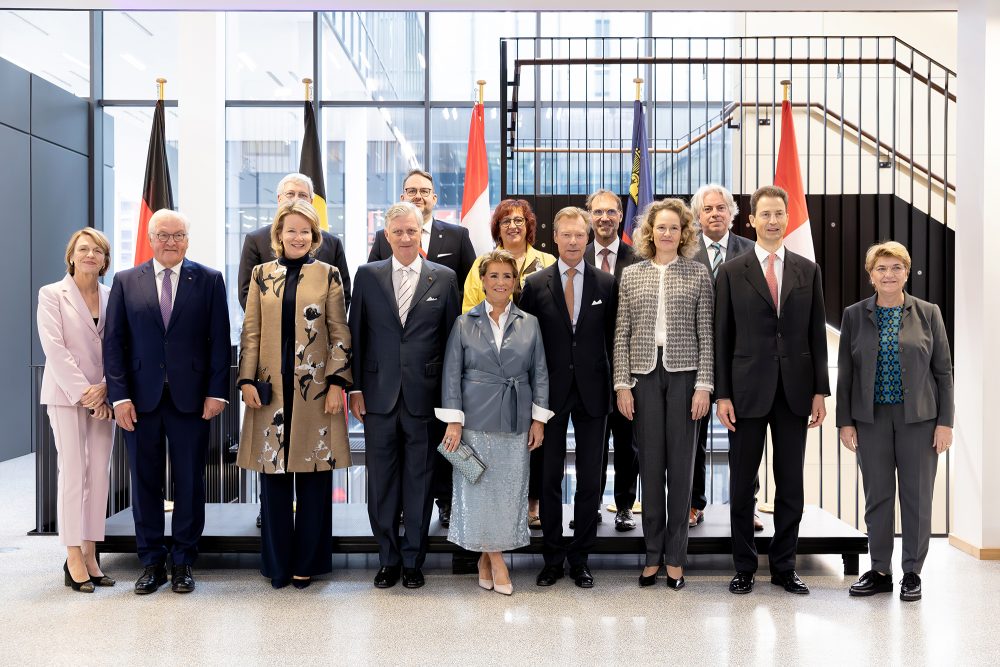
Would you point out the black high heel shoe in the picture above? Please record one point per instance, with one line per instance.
(103, 580)
(645, 581)
(86, 586)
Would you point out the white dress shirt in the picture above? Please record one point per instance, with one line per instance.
(612, 254)
(577, 287)
(175, 279)
(414, 266)
(723, 243)
(779, 266)
(425, 235)
(660, 328)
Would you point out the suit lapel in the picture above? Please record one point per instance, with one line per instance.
(104, 308)
(755, 276)
(791, 276)
(424, 282)
(383, 276)
(558, 294)
(76, 300)
(185, 285)
(625, 256)
(147, 283)
(702, 254)
(436, 242)
(481, 318)
(587, 298)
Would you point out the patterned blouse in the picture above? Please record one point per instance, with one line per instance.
(888, 376)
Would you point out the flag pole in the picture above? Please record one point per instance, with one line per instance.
(481, 83)
(785, 84)
(159, 87)
(308, 83)
(638, 88)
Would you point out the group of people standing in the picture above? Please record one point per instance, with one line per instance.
(496, 355)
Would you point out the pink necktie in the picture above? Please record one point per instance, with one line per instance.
(605, 265)
(772, 279)
(166, 297)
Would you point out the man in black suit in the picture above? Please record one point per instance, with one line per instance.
(773, 374)
(449, 245)
(166, 360)
(609, 254)
(402, 312)
(715, 209)
(257, 245)
(575, 304)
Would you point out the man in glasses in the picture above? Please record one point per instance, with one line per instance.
(166, 360)
(610, 255)
(257, 246)
(449, 245)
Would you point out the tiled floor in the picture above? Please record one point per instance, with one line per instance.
(236, 618)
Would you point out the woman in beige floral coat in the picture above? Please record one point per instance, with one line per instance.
(295, 340)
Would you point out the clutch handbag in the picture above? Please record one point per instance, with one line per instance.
(466, 461)
(263, 391)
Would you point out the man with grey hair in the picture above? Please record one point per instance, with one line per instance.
(608, 253)
(257, 245)
(401, 315)
(166, 361)
(715, 209)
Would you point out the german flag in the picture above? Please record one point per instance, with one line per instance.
(156, 193)
(311, 164)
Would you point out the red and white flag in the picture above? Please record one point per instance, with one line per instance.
(476, 192)
(788, 176)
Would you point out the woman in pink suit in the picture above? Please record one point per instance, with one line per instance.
(71, 327)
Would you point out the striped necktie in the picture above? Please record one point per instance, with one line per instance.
(716, 259)
(405, 295)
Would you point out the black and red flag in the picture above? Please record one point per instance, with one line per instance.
(311, 164)
(156, 193)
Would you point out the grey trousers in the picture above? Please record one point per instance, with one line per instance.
(667, 438)
(885, 448)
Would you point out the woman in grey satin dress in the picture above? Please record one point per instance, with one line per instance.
(496, 386)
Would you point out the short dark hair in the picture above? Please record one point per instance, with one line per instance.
(503, 209)
(767, 191)
(417, 172)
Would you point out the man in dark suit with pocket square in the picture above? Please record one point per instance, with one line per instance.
(401, 315)
(770, 372)
(166, 361)
(575, 304)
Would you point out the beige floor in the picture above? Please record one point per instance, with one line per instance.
(235, 618)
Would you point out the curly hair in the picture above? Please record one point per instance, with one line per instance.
(644, 244)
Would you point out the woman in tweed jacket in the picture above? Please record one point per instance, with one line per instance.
(663, 354)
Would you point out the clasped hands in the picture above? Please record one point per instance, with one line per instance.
(94, 398)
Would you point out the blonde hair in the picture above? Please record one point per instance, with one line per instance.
(98, 238)
(892, 249)
(644, 244)
(500, 256)
(571, 212)
(304, 209)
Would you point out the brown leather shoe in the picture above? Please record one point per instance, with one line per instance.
(696, 517)
(757, 525)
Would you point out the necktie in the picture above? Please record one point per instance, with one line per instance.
(166, 297)
(716, 259)
(569, 292)
(405, 293)
(605, 264)
(772, 279)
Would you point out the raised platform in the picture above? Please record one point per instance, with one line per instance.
(230, 528)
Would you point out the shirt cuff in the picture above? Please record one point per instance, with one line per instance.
(124, 400)
(450, 416)
(214, 398)
(540, 414)
(355, 391)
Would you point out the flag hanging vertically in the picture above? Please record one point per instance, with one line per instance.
(476, 191)
(156, 193)
(311, 164)
(640, 189)
(788, 176)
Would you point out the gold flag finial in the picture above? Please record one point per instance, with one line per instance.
(159, 88)
(481, 83)
(785, 84)
(638, 88)
(308, 82)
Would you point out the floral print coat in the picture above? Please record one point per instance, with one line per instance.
(322, 348)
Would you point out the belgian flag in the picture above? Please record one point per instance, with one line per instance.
(156, 193)
(311, 164)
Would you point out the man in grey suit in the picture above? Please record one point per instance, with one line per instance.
(257, 245)
(715, 209)
(609, 254)
(401, 315)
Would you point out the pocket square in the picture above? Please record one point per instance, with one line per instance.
(432, 298)
(598, 302)
(445, 254)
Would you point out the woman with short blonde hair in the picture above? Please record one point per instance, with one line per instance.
(306, 210)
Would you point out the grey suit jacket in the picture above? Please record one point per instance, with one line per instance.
(924, 358)
(737, 246)
(495, 388)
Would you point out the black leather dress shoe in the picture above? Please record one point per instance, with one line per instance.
(152, 578)
(909, 587)
(549, 575)
(444, 515)
(742, 583)
(413, 577)
(387, 576)
(871, 583)
(581, 576)
(624, 521)
(182, 579)
(301, 583)
(790, 582)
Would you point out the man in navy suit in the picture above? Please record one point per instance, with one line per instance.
(401, 314)
(608, 253)
(575, 304)
(715, 209)
(449, 245)
(166, 360)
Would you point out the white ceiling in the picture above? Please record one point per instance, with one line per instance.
(514, 5)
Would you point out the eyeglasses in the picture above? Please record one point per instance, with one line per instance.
(424, 192)
(296, 194)
(513, 222)
(605, 213)
(896, 268)
(83, 251)
(163, 237)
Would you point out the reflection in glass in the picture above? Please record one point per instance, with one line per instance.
(52, 45)
(138, 48)
(268, 54)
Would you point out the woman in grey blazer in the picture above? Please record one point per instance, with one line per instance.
(664, 352)
(895, 409)
(496, 386)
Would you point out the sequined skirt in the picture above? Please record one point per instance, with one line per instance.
(492, 515)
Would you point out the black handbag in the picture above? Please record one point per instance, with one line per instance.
(263, 391)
